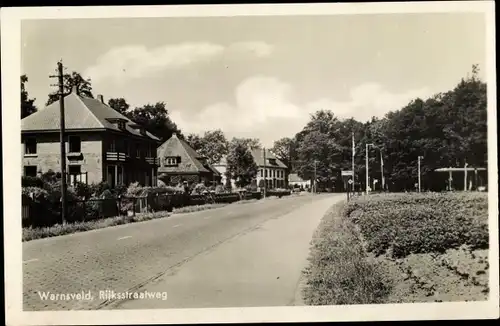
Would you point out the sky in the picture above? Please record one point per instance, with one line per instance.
(259, 76)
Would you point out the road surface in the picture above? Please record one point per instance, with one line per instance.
(243, 254)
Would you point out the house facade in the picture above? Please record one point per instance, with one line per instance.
(179, 162)
(295, 181)
(271, 170)
(101, 144)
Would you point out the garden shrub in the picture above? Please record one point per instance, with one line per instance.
(32, 182)
(421, 223)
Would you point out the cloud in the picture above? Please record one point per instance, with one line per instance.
(265, 107)
(369, 100)
(259, 49)
(134, 61)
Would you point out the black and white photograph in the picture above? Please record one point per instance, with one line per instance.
(250, 163)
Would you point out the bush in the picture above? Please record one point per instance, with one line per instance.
(402, 224)
(199, 189)
(32, 182)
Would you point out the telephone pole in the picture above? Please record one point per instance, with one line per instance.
(353, 153)
(419, 183)
(382, 180)
(60, 84)
(264, 172)
(367, 169)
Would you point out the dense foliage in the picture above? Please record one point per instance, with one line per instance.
(448, 130)
(27, 104)
(241, 165)
(213, 145)
(83, 87)
(402, 224)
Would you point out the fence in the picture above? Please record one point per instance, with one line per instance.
(46, 213)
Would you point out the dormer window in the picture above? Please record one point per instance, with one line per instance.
(272, 161)
(119, 122)
(171, 161)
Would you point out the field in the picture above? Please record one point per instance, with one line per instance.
(390, 248)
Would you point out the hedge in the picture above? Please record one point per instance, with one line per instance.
(402, 224)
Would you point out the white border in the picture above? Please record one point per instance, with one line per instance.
(11, 63)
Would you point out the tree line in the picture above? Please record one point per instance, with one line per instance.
(448, 129)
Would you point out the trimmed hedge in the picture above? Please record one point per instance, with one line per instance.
(402, 224)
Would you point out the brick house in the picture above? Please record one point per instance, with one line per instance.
(271, 169)
(101, 144)
(180, 162)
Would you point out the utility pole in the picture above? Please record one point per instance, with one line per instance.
(315, 186)
(382, 180)
(419, 183)
(353, 153)
(264, 172)
(60, 77)
(367, 169)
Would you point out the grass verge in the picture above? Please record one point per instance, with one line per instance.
(338, 271)
(59, 229)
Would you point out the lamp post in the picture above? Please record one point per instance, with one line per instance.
(367, 177)
(419, 178)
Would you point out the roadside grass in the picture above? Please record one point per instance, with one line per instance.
(59, 229)
(338, 271)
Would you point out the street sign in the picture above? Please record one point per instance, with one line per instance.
(346, 173)
(350, 182)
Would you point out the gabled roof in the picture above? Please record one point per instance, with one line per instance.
(191, 161)
(79, 113)
(258, 156)
(294, 177)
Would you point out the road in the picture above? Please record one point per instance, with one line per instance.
(243, 254)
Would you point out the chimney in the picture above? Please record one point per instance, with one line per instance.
(174, 135)
(100, 98)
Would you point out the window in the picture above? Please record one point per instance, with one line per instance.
(274, 173)
(261, 173)
(119, 172)
(75, 144)
(171, 161)
(75, 169)
(126, 147)
(112, 145)
(138, 150)
(30, 146)
(30, 170)
(266, 173)
(121, 125)
(75, 174)
(149, 150)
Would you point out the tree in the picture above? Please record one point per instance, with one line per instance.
(241, 166)
(83, 87)
(119, 104)
(213, 145)
(251, 143)
(284, 149)
(27, 104)
(154, 117)
(195, 141)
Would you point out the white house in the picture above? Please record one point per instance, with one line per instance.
(271, 169)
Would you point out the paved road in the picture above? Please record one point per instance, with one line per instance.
(250, 250)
